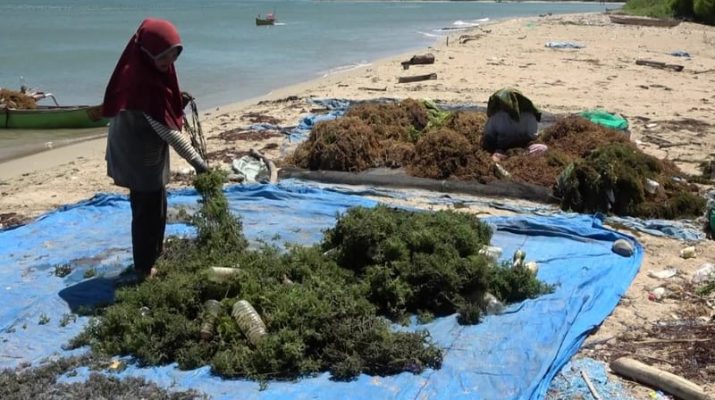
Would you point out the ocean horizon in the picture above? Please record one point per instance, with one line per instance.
(70, 47)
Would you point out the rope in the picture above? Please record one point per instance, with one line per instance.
(195, 133)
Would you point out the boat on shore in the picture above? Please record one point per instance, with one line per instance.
(643, 21)
(52, 117)
(269, 19)
(19, 110)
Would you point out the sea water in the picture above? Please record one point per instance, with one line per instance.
(70, 47)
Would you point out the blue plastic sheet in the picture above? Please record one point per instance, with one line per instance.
(514, 355)
(570, 384)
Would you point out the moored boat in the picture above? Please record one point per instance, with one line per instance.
(52, 117)
(643, 21)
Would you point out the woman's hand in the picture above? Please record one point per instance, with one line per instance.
(186, 98)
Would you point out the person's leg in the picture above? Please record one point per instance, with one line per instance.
(148, 225)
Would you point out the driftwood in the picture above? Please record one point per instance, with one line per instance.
(416, 60)
(416, 78)
(661, 65)
(465, 38)
(591, 389)
(373, 89)
(271, 166)
(654, 377)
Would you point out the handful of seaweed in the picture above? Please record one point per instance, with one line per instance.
(324, 306)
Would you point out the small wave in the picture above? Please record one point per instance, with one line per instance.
(465, 24)
(427, 34)
(344, 68)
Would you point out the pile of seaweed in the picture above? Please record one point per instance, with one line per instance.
(326, 307)
(597, 169)
(13, 99)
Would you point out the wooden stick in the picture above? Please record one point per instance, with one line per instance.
(590, 385)
(416, 78)
(652, 341)
(661, 65)
(382, 89)
(271, 166)
(671, 383)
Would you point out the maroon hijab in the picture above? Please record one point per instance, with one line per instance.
(137, 84)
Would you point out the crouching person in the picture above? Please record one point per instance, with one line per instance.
(513, 121)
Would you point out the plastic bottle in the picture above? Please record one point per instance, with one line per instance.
(249, 321)
(492, 305)
(212, 308)
(532, 266)
(492, 252)
(518, 259)
(501, 172)
(222, 274)
(704, 273)
(688, 252)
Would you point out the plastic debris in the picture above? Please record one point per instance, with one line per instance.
(705, 273)
(679, 53)
(657, 294)
(651, 186)
(252, 169)
(222, 274)
(492, 252)
(622, 247)
(688, 252)
(492, 305)
(212, 308)
(564, 45)
(532, 266)
(664, 274)
(249, 321)
(518, 259)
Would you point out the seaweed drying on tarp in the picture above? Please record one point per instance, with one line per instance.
(43, 382)
(326, 307)
(430, 143)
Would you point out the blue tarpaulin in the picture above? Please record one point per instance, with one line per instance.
(514, 355)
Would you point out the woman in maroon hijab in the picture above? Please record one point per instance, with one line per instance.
(146, 106)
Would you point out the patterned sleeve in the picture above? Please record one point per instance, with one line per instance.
(178, 142)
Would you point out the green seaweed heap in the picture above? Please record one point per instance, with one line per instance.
(327, 307)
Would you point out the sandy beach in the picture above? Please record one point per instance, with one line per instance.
(670, 115)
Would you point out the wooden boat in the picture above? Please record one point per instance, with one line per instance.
(643, 21)
(270, 19)
(52, 117)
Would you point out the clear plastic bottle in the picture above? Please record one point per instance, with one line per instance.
(249, 321)
(212, 308)
(222, 274)
(492, 305)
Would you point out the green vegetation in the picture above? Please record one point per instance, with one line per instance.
(702, 11)
(324, 306)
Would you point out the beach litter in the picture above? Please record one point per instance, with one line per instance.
(660, 65)
(564, 45)
(705, 273)
(679, 53)
(663, 274)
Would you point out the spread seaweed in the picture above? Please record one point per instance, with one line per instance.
(326, 307)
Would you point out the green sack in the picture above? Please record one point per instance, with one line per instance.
(606, 119)
(712, 219)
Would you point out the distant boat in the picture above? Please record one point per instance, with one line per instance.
(269, 19)
(51, 117)
(643, 21)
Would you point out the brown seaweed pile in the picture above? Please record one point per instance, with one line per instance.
(13, 99)
(591, 168)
